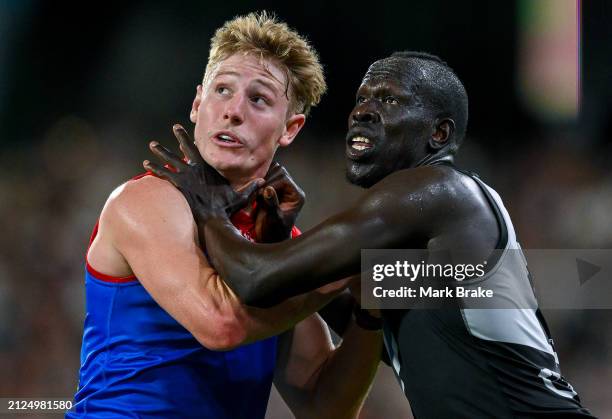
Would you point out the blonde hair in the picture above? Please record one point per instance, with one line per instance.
(261, 34)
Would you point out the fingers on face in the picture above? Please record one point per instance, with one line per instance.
(274, 172)
(250, 191)
(244, 195)
(186, 144)
(273, 168)
(277, 178)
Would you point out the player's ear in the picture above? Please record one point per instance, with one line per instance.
(292, 127)
(193, 115)
(443, 131)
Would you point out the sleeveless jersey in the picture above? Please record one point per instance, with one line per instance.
(138, 362)
(482, 362)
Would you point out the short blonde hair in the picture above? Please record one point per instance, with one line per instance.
(261, 34)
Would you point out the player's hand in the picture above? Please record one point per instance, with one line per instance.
(207, 192)
(278, 205)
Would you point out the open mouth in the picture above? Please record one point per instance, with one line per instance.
(358, 147)
(227, 139)
(360, 143)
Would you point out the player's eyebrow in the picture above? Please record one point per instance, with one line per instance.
(261, 80)
(268, 85)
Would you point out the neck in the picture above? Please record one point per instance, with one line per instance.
(238, 180)
(238, 183)
(436, 158)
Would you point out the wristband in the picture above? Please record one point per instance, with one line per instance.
(365, 320)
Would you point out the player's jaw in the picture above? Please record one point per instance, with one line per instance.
(224, 149)
(375, 151)
(237, 157)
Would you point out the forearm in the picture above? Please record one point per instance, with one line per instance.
(263, 275)
(241, 264)
(260, 322)
(225, 249)
(250, 324)
(345, 378)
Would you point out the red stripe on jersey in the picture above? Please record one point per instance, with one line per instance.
(242, 220)
(100, 275)
(109, 278)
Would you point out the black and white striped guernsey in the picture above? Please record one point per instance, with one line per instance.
(482, 362)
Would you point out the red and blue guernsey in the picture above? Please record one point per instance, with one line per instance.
(138, 362)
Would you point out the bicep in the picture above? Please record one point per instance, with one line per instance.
(155, 233)
(171, 272)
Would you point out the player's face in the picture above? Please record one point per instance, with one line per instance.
(241, 117)
(388, 127)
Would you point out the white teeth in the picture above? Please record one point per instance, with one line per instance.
(360, 143)
(225, 137)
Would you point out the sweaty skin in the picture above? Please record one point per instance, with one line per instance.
(427, 207)
(415, 202)
(403, 131)
(241, 116)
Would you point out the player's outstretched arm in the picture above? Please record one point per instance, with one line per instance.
(263, 275)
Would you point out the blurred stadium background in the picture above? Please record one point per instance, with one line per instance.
(84, 88)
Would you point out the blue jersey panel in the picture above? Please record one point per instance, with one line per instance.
(137, 361)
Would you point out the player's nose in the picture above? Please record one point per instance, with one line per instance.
(365, 115)
(234, 109)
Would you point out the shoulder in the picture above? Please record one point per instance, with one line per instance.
(133, 192)
(427, 185)
(144, 205)
(424, 196)
(422, 180)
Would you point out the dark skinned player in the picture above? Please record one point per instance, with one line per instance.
(409, 119)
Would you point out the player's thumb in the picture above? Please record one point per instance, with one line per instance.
(270, 198)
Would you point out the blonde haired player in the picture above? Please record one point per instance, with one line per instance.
(164, 336)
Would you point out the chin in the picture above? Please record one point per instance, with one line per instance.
(225, 162)
(360, 176)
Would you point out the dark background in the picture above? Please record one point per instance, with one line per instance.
(84, 87)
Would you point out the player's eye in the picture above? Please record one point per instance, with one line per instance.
(361, 99)
(390, 100)
(259, 100)
(222, 90)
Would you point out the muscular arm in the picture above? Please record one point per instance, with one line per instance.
(317, 380)
(149, 224)
(387, 217)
